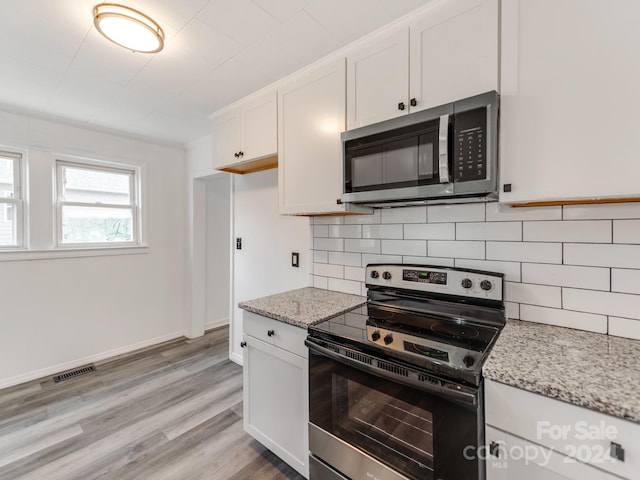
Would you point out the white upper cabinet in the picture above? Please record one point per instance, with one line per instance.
(226, 138)
(245, 138)
(448, 53)
(569, 100)
(454, 52)
(311, 116)
(378, 80)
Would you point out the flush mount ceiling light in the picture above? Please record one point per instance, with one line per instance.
(128, 28)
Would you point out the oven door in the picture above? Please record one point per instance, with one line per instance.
(372, 418)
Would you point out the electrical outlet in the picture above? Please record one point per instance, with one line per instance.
(238, 243)
(295, 259)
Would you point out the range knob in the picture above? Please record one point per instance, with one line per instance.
(374, 274)
(467, 283)
(388, 339)
(375, 336)
(468, 361)
(486, 285)
(386, 275)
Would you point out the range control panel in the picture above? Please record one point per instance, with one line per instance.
(450, 281)
(437, 352)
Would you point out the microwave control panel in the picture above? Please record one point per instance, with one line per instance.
(470, 145)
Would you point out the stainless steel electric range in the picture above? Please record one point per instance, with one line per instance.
(395, 387)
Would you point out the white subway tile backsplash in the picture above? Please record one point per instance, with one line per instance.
(626, 231)
(404, 215)
(320, 256)
(328, 220)
(511, 270)
(345, 286)
(417, 248)
(363, 219)
(525, 252)
(559, 263)
(503, 213)
(466, 212)
(605, 211)
(345, 231)
(321, 282)
(625, 281)
(429, 231)
(371, 258)
(382, 231)
(327, 270)
(362, 245)
(320, 231)
(541, 295)
(624, 327)
(455, 249)
(332, 244)
(593, 278)
(505, 231)
(356, 274)
(601, 255)
(597, 231)
(343, 258)
(436, 261)
(604, 303)
(564, 318)
(512, 310)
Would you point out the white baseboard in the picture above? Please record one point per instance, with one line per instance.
(236, 358)
(44, 372)
(216, 323)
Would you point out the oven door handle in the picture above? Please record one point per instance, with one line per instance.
(444, 389)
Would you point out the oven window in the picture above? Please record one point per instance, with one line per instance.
(386, 424)
(418, 434)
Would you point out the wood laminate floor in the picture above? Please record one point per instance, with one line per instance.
(170, 412)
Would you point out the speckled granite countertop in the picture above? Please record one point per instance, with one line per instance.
(591, 370)
(303, 307)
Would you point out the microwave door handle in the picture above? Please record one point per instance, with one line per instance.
(443, 149)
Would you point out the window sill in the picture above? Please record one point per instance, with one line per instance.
(18, 255)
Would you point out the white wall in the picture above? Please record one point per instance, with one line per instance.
(263, 266)
(198, 166)
(218, 251)
(59, 313)
(575, 266)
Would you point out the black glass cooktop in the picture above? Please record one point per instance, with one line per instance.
(449, 330)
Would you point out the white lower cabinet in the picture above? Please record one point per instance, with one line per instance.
(276, 410)
(533, 437)
(516, 459)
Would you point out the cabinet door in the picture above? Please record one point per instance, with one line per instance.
(226, 138)
(570, 99)
(378, 80)
(276, 400)
(518, 459)
(311, 116)
(454, 52)
(259, 119)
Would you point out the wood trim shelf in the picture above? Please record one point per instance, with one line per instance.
(252, 166)
(589, 201)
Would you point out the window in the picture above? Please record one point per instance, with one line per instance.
(96, 205)
(10, 200)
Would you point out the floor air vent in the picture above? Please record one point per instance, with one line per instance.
(74, 373)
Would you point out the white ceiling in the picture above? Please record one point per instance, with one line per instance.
(53, 62)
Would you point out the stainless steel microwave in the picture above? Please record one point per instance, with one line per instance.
(444, 154)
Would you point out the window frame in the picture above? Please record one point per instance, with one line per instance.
(109, 167)
(17, 201)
